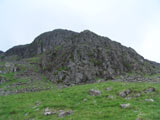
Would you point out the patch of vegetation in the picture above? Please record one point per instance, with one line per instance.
(84, 106)
(96, 62)
(58, 47)
(128, 66)
(63, 68)
(21, 67)
(2, 62)
(108, 50)
(33, 59)
(98, 78)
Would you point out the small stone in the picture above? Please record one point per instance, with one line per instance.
(111, 97)
(63, 113)
(149, 90)
(38, 103)
(125, 105)
(47, 113)
(138, 119)
(137, 95)
(26, 114)
(109, 88)
(85, 100)
(128, 98)
(124, 93)
(94, 92)
(149, 100)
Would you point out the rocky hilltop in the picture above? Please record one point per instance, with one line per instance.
(43, 42)
(73, 58)
(1, 52)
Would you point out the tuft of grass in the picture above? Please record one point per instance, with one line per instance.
(23, 106)
(33, 59)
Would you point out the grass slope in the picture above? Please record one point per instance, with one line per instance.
(23, 106)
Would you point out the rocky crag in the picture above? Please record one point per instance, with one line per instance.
(1, 52)
(74, 58)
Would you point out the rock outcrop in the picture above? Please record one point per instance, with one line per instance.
(87, 57)
(1, 52)
(42, 43)
(73, 58)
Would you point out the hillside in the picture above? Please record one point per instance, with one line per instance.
(76, 103)
(65, 75)
(68, 57)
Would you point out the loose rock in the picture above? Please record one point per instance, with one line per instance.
(85, 100)
(94, 92)
(149, 100)
(63, 113)
(48, 112)
(109, 88)
(149, 90)
(137, 95)
(111, 97)
(125, 105)
(124, 93)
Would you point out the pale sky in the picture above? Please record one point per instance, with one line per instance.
(134, 23)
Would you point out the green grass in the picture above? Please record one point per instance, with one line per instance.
(2, 63)
(15, 107)
(26, 83)
(33, 59)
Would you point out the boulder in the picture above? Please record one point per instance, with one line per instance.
(47, 111)
(109, 88)
(95, 92)
(125, 93)
(63, 113)
(149, 90)
(149, 100)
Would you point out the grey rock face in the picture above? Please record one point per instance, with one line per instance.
(2, 80)
(1, 55)
(10, 67)
(86, 56)
(43, 42)
(1, 52)
(76, 58)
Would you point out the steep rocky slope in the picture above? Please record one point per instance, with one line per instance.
(1, 52)
(44, 42)
(73, 58)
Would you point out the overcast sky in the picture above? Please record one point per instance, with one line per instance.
(134, 23)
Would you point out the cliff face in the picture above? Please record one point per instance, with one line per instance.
(87, 57)
(74, 58)
(43, 42)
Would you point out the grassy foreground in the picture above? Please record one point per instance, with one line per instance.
(84, 106)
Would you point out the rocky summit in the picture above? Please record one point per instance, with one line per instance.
(73, 58)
